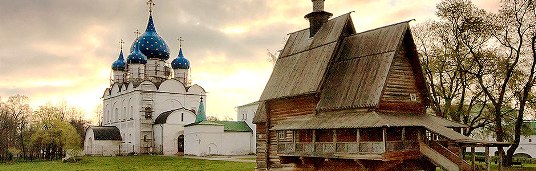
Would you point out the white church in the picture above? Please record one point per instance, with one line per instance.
(152, 107)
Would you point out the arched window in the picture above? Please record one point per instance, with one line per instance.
(132, 112)
(116, 114)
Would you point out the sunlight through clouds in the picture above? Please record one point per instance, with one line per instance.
(62, 50)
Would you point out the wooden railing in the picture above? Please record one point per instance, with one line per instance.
(401, 145)
(450, 155)
(323, 148)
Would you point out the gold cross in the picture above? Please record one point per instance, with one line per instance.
(137, 32)
(180, 41)
(150, 3)
(121, 42)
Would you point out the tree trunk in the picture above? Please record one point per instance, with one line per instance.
(522, 103)
(22, 140)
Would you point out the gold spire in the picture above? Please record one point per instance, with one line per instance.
(150, 3)
(180, 41)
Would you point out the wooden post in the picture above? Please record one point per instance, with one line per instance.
(486, 153)
(473, 157)
(334, 135)
(314, 140)
(419, 136)
(384, 139)
(404, 136)
(358, 136)
(294, 140)
(462, 150)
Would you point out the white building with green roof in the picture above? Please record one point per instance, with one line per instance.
(205, 137)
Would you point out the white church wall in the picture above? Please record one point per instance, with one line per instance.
(202, 140)
(246, 113)
(236, 143)
(173, 128)
(100, 147)
(172, 86)
(527, 145)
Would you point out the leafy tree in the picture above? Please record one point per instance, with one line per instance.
(445, 61)
(14, 114)
(515, 32)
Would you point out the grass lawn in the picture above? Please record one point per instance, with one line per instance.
(130, 163)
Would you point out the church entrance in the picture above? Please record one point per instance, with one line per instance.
(180, 144)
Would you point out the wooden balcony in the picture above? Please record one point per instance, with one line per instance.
(348, 150)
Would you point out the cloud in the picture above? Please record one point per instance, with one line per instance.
(62, 50)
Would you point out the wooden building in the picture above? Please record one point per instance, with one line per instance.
(341, 100)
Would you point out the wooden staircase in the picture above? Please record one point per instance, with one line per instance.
(438, 158)
(450, 155)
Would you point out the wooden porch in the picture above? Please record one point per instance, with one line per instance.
(368, 144)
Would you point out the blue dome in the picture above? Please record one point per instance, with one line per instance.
(151, 44)
(180, 62)
(119, 64)
(136, 57)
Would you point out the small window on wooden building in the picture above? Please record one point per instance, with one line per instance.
(144, 138)
(182, 117)
(281, 135)
(413, 97)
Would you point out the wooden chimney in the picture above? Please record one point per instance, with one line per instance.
(318, 17)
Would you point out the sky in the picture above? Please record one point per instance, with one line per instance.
(61, 51)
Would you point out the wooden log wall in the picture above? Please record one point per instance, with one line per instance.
(276, 111)
(400, 92)
(261, 145)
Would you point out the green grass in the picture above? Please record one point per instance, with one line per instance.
(130, 163)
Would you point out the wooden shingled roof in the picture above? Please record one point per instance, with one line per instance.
(347, 69)
(362, 118)
(304, 60)
(358, 74)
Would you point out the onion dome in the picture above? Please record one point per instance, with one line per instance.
(119, 64)
(180, 62)
(151, 44)
(136, 57)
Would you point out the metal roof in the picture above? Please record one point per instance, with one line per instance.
(228, 126)
(162, 118)
(106, 133)
(235, 126)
